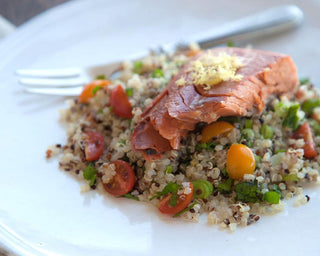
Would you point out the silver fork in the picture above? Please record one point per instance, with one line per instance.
(69, 82)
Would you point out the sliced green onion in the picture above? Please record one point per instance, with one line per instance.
(157, 73)
(129, 91)
(248, 133)
(281, 151)
(266, 131)
(185, 210)
(290, 177)
(202, 189)
(257, 158)
(292, 119)
(129, 196)
(276, 188)
(169, 169)
(309, 105)
(137, 67)
(248, 124)
(271, 197)
(281, 109)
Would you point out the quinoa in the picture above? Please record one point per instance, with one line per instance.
(281, 165)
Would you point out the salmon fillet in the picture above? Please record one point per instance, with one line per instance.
(178, 109)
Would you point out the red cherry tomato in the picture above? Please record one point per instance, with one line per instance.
(93, 145)
(120, 103)
(305, 132)
(183, 201)
(123, 181)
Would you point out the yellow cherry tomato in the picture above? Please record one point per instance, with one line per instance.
(215, 129)
(240, 161)
(90, 89)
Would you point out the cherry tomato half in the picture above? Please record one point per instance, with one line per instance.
(93, 145)
(305, 132)
(123, 181)
(183, 201)
(120, 102)
(88, 90)
(240, 161)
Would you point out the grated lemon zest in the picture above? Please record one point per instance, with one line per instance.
(181, 82)
(210, 70)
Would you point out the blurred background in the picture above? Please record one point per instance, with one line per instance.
(19, 11)
(15, 12)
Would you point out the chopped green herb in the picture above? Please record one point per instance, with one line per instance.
(266, 131)
(111, 108)
(309, 105)
(224, 172)
(225, 187)
(248, 124)
(157, 73)
(171, 187)
(304, 80)
(230, 44)
(101, 77)
(185, 210)
(290, 177)
(271, 197)
(90, 174)
(208, 145)
(276, 188)
(281, 151)
(173, 200)
(129, 196)
(169, 169)
(202, 189)
(95, 89)
(137, 67)
(100, 111)
(129, 91)
(257, 158)
(292, 119)
(248, 192)
(122, 142)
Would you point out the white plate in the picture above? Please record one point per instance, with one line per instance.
(42, 211)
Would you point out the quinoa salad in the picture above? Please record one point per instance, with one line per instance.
(234, 170)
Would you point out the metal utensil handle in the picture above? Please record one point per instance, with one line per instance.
(267, 22)
(270, 21)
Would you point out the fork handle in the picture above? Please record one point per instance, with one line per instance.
(263, 23)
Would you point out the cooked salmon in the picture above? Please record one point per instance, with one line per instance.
(180, 107)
